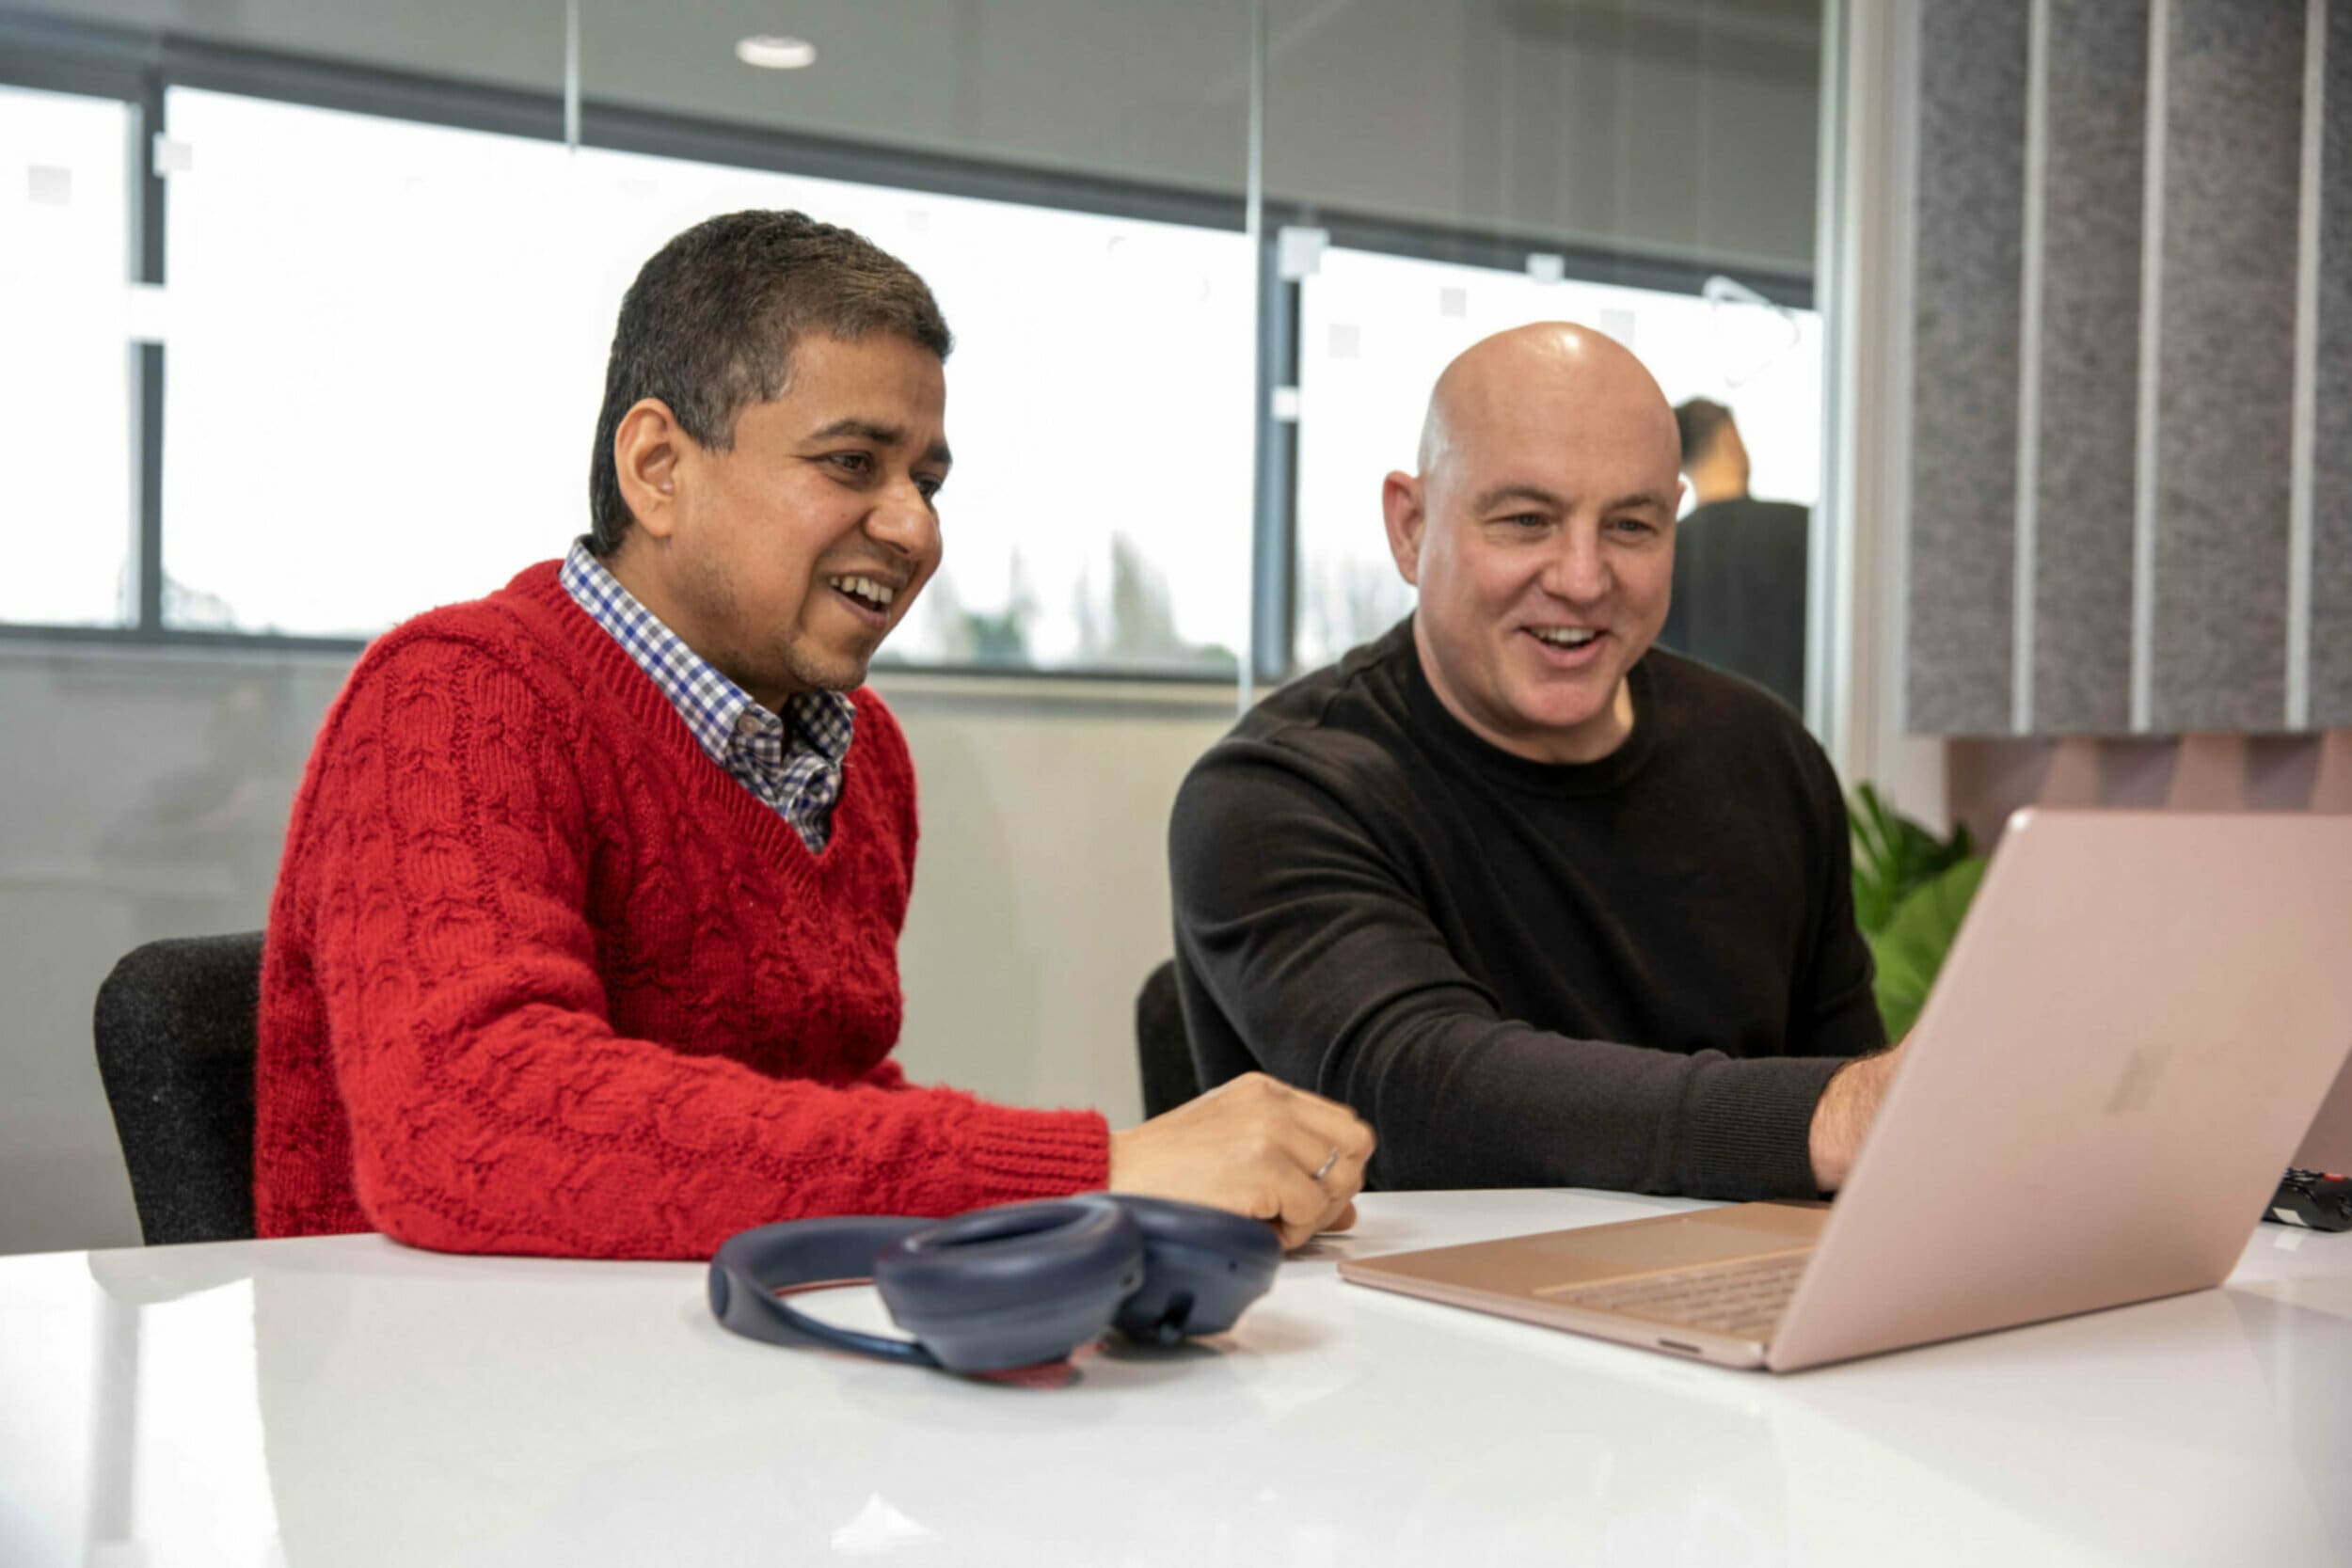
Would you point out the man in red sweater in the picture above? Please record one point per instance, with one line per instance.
(585, 937)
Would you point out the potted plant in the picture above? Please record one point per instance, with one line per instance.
(1909, 891)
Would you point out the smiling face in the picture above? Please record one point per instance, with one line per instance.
(1540, 534)
(786, 558)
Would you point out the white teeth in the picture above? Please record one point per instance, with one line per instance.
(1564, 637)
(879, 593)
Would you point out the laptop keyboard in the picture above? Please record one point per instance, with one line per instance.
(1744, 1300)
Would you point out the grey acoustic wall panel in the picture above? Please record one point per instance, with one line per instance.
(2233, 133)
(2330, 644)
(2093, 144)
(1963, 477)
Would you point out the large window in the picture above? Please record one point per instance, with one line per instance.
(1375, 332)
(65, 357)
(388, 349)
(361, 376)
(381, 381)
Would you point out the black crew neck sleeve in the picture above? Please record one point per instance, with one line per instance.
(1637, 973)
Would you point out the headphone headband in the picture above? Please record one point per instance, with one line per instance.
(1012, 1286)
(751, 1266)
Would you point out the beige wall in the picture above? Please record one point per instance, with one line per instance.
(1041, 888)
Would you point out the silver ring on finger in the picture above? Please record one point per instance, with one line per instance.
(1328, 1160)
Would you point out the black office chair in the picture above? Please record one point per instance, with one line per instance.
(1161, 1049)
(175, 1029)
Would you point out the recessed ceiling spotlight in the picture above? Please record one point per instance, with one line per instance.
(772, 53)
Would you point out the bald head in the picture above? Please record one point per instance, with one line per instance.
(1572, 371)
(1539, 534)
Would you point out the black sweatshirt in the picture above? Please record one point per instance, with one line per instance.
(1375, 904)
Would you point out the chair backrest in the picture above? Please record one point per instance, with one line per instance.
(1161, 1047)
(175, 1026)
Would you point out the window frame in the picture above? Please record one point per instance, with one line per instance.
(138, 68)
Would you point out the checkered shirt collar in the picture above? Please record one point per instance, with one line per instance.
(712, 706)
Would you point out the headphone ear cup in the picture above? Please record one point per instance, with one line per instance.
(1202, 1268)
(1013, 1286)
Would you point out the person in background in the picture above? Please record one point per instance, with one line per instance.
(1740, 563)
(1546, 905)
(584, 940)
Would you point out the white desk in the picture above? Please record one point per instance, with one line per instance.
(348, 1403)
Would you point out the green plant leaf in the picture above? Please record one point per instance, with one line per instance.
(1911, 950)
(1873, 890)
(1893, 855)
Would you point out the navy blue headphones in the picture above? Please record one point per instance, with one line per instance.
(1008, 1287)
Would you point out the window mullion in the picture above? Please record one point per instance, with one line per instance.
(147, 196)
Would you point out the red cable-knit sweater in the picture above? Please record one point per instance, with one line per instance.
(541, 977)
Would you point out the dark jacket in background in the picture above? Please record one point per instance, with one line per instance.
(1738, 593)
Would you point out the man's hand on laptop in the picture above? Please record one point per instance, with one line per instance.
(1845, 1112)
(1255, 1145)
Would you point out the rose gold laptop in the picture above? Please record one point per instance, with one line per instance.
(2140, 1016)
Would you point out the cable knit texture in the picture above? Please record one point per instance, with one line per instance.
(540, 979)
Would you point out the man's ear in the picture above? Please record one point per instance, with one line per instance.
(1400, 500)
(645, 451)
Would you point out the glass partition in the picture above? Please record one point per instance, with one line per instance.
(382, 378)
(1443, 171)
(1375, 330)
(389, 269)
(433, 316)
(66, 357)
(1068, 176)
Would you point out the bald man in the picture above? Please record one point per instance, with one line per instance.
(1545, 905)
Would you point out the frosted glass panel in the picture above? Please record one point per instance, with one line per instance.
(65, 361)
(419, 319)
(381, 377)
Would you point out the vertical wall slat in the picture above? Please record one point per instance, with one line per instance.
(2096, 73)
(1964, 482)
(2232, 143)
(2330, 625)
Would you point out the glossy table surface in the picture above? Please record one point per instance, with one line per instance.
(348, 1401)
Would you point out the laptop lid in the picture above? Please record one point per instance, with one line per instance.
(2328, 1144)
(2141, 1015)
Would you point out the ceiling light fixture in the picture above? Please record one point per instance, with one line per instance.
(775, 53)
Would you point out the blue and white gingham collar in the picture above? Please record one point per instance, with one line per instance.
(712, 706)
